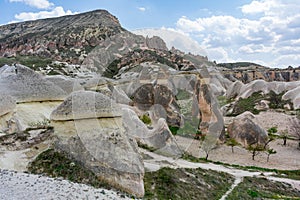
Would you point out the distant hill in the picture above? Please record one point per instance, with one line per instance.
(238, 65)
(67, 38)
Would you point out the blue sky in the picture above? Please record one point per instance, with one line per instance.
(262, 31)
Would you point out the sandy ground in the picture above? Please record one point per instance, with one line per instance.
(17, 185)
(286, 158)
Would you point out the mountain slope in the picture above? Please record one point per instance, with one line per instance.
(66, 38)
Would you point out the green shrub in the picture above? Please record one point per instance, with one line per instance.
(146, 119)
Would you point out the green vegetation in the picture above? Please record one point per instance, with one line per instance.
(247, 104)
(222, 100)
(56, 164)
(144, 146)
(174, 129)
(146, 119)
(291, 174)
(183, 94)
(33, 62)
(261, 188)
(232, 142)
(112, 69)
(276, 101)
(168, 183)
(237, 64)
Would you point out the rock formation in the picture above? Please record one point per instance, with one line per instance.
(89, 129)
(158, 137)
(246, 130)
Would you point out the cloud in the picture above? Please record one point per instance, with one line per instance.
(174, 38)
(41, 4)
(143, 9)
(56, 12)
(272, 31)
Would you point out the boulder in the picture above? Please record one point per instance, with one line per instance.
(246, 130)
(89, 129)
(158, 137)
(25, 85)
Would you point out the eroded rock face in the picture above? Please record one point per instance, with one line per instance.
(7, 104)
(294, 96)
(25, 85)
(89, 129)
(159, 137)
(246, 130)
(149, 95)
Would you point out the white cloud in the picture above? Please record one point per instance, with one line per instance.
(56, 12)
(142, 9)
(41, 4)
(269, 35)
(174, 38)
(262, 6)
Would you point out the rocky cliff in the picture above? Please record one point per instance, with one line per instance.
(247, 72)
(67, 38)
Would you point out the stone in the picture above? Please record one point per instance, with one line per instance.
(7, 104)
(158, 137)
(234, 89)
(294, 96)
(90, 130)
(25, 85)
(85, 105)
(149, 95)
(246, 130)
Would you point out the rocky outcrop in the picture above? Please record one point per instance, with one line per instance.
(158, 137)
(294, 96)
(149, 95)
(64, 38)
(7, 104)
(89, 129)
(234, 89)
(247, 90)
(25, 85)
(246, 130)
(247, 72)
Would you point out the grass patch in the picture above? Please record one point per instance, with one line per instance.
(33, 62)
(56, 164)
(247, 104)
(261, 188)
(291, 174)
(168, 183)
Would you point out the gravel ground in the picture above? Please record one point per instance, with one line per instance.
(16, 185)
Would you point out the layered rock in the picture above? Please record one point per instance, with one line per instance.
(246, 130)
(89, 129)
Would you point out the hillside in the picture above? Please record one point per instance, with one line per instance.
(67, 38)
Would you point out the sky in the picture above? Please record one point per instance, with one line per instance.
(266, 32)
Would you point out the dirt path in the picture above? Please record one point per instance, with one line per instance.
(159, 161)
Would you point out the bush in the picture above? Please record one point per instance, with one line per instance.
(146, 119)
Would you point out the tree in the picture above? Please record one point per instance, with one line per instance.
(270, 152)
(232, 142)
(255, 149)
(209, 144)
(295, 128)
(284, 136)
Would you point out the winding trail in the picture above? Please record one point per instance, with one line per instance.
(159, 161)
